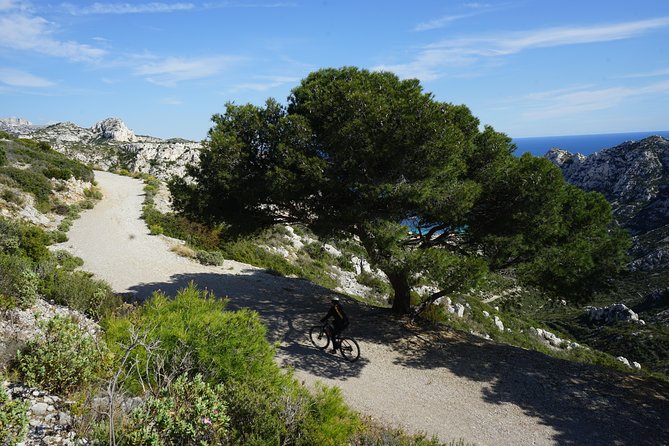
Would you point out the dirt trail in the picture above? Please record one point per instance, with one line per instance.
(444, 384)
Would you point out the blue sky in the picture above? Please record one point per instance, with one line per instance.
(526, 67)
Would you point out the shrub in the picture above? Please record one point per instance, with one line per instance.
(79, 291)
(13, 419)
(3, 157)
(374, 282)
(64, 359)
(156, 229)
(185, 413)
(210, 257)
(18, 282)
(57, 173)
(33, 182)
(11, 196)
(93, 193)
(184, 251)
(265, 404)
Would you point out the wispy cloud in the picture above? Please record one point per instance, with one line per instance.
(442, 22)
(266, 83)
(576, 100)
(34, 33)
(160, 7)
(19, 78)
(127, 8)
(173, 70)
(433, 58)
(655, 73)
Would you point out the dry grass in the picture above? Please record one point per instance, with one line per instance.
(184, 251)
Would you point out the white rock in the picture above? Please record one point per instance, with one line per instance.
(623, 360)
(499, 324)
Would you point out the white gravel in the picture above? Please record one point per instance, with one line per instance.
(444, 384)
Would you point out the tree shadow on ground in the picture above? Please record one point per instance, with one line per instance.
(584, 404)
(289, 307)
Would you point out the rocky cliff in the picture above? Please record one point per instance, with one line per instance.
(634, 177)
(111, 144)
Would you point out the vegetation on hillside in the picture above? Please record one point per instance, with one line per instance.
(428, 194)
(204, 375)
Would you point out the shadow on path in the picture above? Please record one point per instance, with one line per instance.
(585, 404)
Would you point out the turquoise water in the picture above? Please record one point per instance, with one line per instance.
(585, 144)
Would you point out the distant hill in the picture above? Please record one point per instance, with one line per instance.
(111, 144)
(634, 178)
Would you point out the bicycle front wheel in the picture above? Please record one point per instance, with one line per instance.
(349, 349)
(319, 337)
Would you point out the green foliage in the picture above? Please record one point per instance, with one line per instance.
(23, 239)
(77, 290)
(63, 360)
(3, 157)
(11, 196)
(226, 345)
(13, 419)
(57, 173)
(373, 281)
(187, 412)
(18, 282)
(195, 333)
(29, 181)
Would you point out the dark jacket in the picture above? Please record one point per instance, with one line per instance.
(340, 319)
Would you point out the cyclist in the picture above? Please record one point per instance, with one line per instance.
(340, 321)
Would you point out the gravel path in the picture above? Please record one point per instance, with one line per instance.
(445, 384)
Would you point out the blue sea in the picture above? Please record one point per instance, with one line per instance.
(585, 144)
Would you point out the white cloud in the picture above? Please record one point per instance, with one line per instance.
(656, 73)
(18, 78)
(434, 58)
(266, 83)
(23, 32)
(173, 70)
(127, 8)
(572, 101)
(440, 22)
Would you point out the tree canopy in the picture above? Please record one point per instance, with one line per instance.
(426, 191)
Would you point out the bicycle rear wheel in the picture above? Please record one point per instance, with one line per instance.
(319, 337)
(349, 349)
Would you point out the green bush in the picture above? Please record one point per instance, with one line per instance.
(185, 413)
(374, 282)
(11, 196)
(57, 173)
(18, 282)
(63, 360)
(210, 257)
(195, 333)
(3, 157)
(78, 290)
(33, 182)
(13, 419)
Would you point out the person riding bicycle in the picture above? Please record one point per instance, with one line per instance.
(339, 322)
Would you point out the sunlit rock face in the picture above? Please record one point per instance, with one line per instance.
(114, 128)
(110, 144)
(634, 178)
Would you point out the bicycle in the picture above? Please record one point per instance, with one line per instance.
(320, 337)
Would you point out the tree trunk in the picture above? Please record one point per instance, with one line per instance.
(402, 291)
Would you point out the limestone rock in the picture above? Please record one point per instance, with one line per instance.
(613, 313)
(634, 178)
(114, 128)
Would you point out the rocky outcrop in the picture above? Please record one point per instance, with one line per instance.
(634, 178)
(114, 128)
(110, 144)
(49, 419)
(613, 313)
